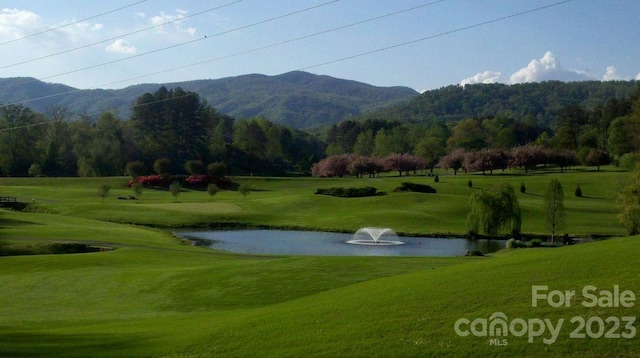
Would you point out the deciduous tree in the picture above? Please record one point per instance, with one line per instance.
(554, 207)
(18, 139)
(135, 169)
(597, 158)
(195, 167)
(528, 156)
(175, 188)
(162, 166)
(212, 190)
(629, 204)
(468, 134)
(494, 210)
(103, 191)
(453, 160)
(403, 163)
(244, 189)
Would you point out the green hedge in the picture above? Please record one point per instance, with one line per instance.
(349, 192)
(418, 188)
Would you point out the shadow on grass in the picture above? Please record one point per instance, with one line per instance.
(593, 197)
(6, 222)
(23, 344)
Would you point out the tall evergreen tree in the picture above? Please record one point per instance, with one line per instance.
(175, 124)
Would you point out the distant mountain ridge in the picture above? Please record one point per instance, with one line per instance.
(297, 99)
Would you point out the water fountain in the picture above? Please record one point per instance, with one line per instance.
(372, 236)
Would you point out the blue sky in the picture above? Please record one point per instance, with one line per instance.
(420, 44)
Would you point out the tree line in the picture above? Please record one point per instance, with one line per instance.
(609, 131)
(179, 126)
(170, 124)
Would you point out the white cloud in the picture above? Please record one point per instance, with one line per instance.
(84, 26)
(611, 74)
(175, 22)
(121, 46)
(548, 68)
(16, 23)
(482, 77)
(638, 77)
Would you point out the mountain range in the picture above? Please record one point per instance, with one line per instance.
(303, 100)
(296, 99)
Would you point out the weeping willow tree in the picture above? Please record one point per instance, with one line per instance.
(494, 210)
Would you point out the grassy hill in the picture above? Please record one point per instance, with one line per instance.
(296, 99)
(290, 202)
(155, 296)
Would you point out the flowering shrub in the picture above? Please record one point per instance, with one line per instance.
(191, 181)
(198, 180)
(151, 180)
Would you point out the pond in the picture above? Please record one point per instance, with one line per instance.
(316, 243)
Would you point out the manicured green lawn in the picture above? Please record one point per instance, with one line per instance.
(156, 296)
(291, 202)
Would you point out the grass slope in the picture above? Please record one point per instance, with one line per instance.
(154, 296)
(187, 302)
(291, 202)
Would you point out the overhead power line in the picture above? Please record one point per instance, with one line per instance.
(182, 18)
(265, 46)
(206, 37)
(406, 43)
(70, 24)
(243, 52)
(55, 121)
(381, 49)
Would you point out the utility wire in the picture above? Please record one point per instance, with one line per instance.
(247, 51)
(120, 36)
(57, 121)
(435, 36)
(70, 24)
(343, 58)
(206, 37)
(279, 43)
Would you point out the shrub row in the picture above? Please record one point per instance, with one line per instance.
(45, 249)
(349, 192)
(418, 188)
(517, 244)
(191, 181)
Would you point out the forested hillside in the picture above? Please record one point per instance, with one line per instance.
(540, 101)
(550, 123)
(488, 127)
(295, 99)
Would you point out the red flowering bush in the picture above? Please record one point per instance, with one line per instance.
(198, 180)
(152, 180)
